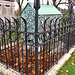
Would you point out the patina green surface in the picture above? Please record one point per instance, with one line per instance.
(44, 9)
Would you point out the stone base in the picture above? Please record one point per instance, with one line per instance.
(5, 71)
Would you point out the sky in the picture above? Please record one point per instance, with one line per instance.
(63, 6)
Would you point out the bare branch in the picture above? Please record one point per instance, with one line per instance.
(58, 3)
(22, 2)
(63, 3)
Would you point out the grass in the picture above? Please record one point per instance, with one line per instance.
(69, 67)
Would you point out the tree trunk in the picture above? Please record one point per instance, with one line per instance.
(19, 10)
(54, 3)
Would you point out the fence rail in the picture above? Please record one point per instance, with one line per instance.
(54, 40)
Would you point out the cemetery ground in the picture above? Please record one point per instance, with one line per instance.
(69, 67)
(31, 59)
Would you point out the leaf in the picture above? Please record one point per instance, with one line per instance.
(16, 64)
(41, 57)
(38, 57)
(72, 57)
(41, 70)
(58, 74)
(29, 65)
(34, 62)
(72, 64)
(21, 70)
(67, 71)
(33, 58)
(33, 72)
(61, 71)
(65, 67)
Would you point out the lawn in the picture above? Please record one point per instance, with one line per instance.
(69, 67)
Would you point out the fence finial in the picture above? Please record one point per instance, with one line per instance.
(36, 4)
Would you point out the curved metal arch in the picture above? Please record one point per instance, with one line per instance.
(55, 26)
(60, 20)
(2, 26)
(56, 20)
(44, 29)
(50, 29)
(50, 24)
(26, 35)
(24, 20)
(46, 20)
(17, 41)
(65, 19)
(2, 22)
(45, 23)
(16, 32)
(9, 26)
(21, 18)
(14, 19)
(7, 19)
(4, 43)
(26, 41)
(8, 22)
(51, 21)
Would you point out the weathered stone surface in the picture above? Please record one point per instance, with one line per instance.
(5, 71)
(1, 73)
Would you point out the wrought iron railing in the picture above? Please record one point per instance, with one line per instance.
(54, 40)
(34, 53)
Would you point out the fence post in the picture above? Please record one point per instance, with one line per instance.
(2, 39)
(36, 6)
(71, 10)
(71, 6)
(26, 44)
(68, 38)
(6, 20)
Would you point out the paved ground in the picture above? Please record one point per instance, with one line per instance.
(1, 73)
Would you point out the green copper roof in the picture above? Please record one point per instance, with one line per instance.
(48, 9)
(45, 9)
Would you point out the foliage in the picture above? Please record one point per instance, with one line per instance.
(64, 11)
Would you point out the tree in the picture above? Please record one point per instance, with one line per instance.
(55, 3)
(20, 3)
(47, 2)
